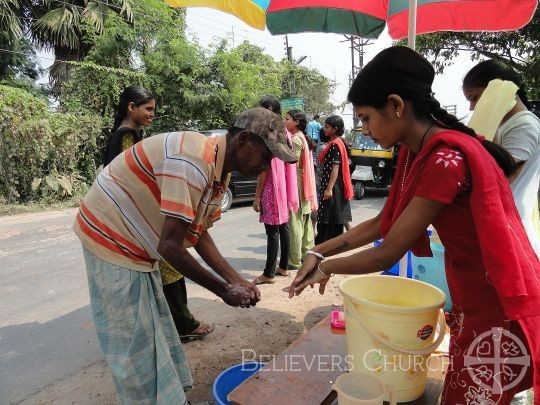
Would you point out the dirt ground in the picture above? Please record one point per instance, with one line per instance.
(266, 330)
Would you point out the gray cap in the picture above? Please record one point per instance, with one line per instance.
(269, 126)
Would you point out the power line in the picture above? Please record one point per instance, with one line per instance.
(193, 32)
(33, 55)
(262, 36)
(19, 17)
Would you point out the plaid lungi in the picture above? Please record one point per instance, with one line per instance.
(137, 334)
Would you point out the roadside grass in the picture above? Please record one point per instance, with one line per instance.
(33, 207)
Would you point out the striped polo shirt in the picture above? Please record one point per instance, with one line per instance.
(176, 174)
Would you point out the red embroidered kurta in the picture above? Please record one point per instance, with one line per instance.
(489, 266)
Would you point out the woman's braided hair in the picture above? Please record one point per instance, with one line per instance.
(402, 71)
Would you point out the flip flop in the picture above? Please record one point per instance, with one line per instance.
(198, 333)
(259, 280)
(282, 274)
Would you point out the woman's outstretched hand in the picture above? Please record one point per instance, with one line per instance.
(308, 275)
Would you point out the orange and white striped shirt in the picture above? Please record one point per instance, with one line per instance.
(176, 174)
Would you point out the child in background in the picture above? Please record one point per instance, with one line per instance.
(335, 190)
(300, 224)
(276, 194)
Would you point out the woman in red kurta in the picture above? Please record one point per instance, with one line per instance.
(449, 177)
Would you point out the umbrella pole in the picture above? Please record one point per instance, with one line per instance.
(411, 40)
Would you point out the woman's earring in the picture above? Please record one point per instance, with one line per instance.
(398, 114)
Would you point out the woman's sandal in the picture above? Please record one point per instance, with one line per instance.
(203, 330)
(282, 272)
(264, 280)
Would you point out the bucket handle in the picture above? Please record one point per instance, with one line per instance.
(441, 325)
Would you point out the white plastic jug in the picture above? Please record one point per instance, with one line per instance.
(361, 389)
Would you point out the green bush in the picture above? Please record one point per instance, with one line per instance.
(44, 155)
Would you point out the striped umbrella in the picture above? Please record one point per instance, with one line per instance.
(367, 18)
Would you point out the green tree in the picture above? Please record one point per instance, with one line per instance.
(21, 61)
(176, 69)
(69, 27)
(11, 19)
(238, 78)
(315, 88)
(44, 155)
(122, 42)
(151, 51)
(518, 49)
(18, 61)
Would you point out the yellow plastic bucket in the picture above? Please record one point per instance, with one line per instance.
(393, 324)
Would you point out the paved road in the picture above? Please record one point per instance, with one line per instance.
(46, 331)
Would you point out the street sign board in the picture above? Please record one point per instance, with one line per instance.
(296, 103)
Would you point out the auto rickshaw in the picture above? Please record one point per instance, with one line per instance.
(375, 166)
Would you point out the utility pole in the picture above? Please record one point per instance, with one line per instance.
(357, 60)
(288, 53)
(288, 50)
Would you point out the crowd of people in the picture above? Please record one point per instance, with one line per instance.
(158, 196)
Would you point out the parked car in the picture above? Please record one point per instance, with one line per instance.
(241, 188)
(535, 104)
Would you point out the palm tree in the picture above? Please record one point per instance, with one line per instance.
(10, 33)
(11, 23)
(68, 26)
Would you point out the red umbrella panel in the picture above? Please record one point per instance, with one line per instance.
(367, 18)
(460, 15)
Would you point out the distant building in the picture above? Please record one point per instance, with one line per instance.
(535, 107)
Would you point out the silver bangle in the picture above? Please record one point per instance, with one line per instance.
(316, 254)
(322, 272)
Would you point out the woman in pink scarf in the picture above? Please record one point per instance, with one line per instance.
(302, 235)
(276, 194)
(451, 178)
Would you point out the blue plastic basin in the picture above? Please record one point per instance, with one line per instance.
(231, 378)
(431, 270)
(394, 270)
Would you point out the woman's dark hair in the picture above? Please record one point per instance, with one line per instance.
(402, 71)
(133, 94)
(271, 103)
(335, 121)
(299, 116)
(486, 71)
